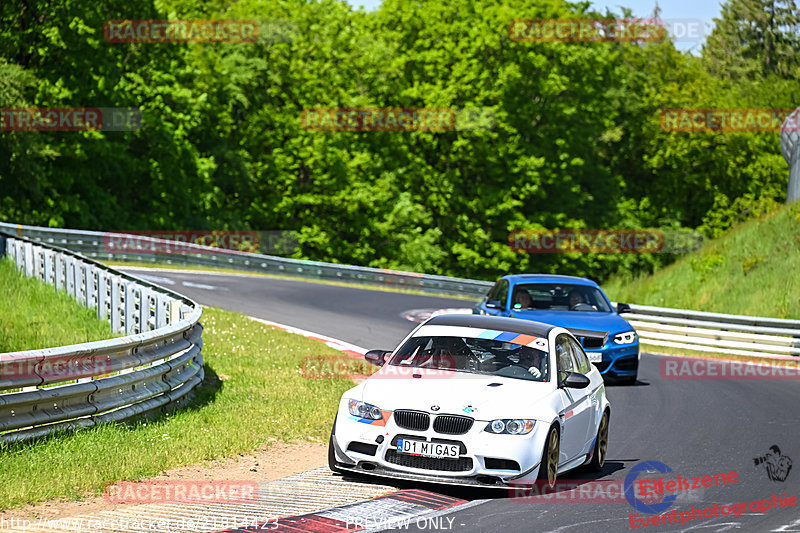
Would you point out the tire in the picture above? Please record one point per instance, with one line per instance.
(600, 445)
(548, 470)
(332, 453)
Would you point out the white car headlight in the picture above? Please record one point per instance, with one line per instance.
(513, 426)
(625, 338)
(364, 410)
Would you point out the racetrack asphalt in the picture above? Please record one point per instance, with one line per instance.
(697, 428)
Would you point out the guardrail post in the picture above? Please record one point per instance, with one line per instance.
(69, 275)
(144, 309)
(28, 262)
(161, 310)
(102, 295)
(76, 280)
(130, 309)
(38, 261)
(174, 311)
(60, 269)
(48, 267)
(89, 284)
(19, 255)
(116, 323)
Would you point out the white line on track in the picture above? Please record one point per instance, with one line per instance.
(203, 286)
(157, 279)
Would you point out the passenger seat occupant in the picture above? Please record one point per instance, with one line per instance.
(523, 299)
(444, 354)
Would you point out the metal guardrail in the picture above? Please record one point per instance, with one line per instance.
(152, 368)
(719, 333)
(656, 326)
(102, 245)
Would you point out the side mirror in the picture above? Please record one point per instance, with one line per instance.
(494, 304)
(624, 308)
(575, 381)
(377, 357)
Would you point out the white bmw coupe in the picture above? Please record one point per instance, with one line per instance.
(475, 400)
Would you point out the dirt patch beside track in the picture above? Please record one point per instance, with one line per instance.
(273, 461)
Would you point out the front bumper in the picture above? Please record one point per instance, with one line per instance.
(619, 360)
(485, 459)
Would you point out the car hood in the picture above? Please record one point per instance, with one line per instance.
(610, 322)
(479, 396)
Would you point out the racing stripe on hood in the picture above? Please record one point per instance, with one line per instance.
(477, 333)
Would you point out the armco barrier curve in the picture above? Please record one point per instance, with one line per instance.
(656, 326)
(105, 246)
(151, 369)
(718, 333)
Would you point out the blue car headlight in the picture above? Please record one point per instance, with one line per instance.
(514, 426)
(364, 410)
(625, 338)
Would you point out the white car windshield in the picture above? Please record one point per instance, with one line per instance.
(478, 356)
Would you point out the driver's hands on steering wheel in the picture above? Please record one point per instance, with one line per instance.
(535, 372)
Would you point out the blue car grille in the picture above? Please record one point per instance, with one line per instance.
(592, 342)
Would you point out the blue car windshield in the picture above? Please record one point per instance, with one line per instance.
(559, 297)
(477, 356)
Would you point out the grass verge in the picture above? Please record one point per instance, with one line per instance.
(253, 391)
(750, 270)
(34, 316)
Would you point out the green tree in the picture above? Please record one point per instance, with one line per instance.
(755, 38)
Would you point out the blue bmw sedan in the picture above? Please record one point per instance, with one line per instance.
(574, 303)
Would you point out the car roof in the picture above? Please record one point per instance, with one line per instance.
(513, 325)
(549, 278)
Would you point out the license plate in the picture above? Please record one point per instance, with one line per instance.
(437, 450)
(595, 357)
